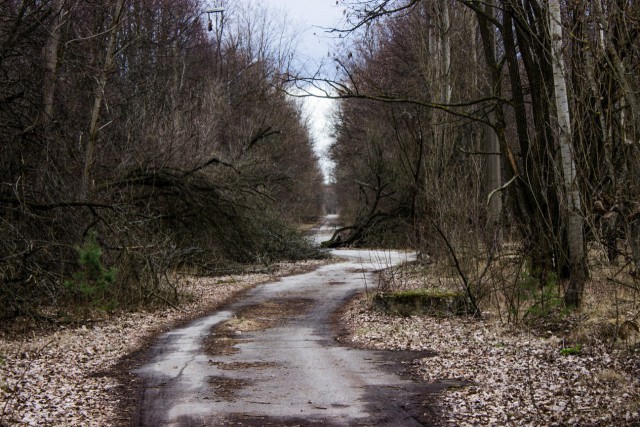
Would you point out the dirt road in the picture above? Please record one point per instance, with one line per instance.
(272, 359)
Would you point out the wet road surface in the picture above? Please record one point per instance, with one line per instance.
(272, 359)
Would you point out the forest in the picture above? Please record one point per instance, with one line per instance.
(499, 135)
(140, 138)
(158, 170)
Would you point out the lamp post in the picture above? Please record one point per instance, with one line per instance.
(215, 11)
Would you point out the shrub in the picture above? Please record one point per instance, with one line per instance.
(93, 281)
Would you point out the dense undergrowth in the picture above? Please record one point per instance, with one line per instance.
(137, 145)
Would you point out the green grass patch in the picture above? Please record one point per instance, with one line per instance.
(571, 351)
(226, 281)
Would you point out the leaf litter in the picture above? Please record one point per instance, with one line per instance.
(62, 377)
(496, 374)
(504, 375)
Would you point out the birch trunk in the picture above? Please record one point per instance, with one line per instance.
(573, 217)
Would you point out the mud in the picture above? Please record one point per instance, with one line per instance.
(238, 366)
(273, 313)
(221, 344)
(226, 388)
(226, 336)
(336, 283)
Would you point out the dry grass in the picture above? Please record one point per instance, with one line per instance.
(612, 293)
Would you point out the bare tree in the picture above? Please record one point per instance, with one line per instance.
(575, 228)
(121, 141)
(552, 165)
(98, 97)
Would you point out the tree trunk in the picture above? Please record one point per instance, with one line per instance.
(572, 209)
(51, 59)
(445, 40)
(493, 172)
(98, 98)
(520, 193)
(634, 238)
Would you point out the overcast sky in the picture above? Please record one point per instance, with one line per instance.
(310, 21)
(311, 18)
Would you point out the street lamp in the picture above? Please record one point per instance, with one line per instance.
(213, 10)
(219, 29)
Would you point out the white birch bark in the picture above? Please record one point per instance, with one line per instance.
(571, 192)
